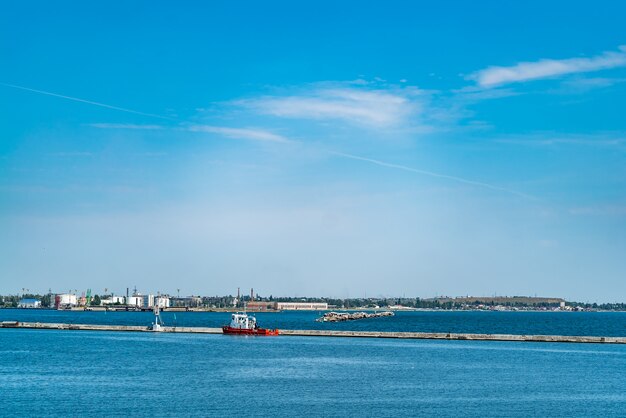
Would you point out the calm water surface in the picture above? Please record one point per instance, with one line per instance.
(81, 373)
(84, 373)
(558, 323)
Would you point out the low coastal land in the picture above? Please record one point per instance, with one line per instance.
(259, 303)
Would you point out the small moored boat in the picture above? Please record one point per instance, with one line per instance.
(241, 323)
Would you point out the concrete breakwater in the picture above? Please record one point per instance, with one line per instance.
(345, 316)
(458, 336)
(329, 333)
(94, 327)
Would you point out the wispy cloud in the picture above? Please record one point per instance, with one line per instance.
(604, 210)
(91, 102)
(433, 174)
(253, 134)
(240, 133)
(151, 154)
(71, 154)
(544, 139)
(356, 104)
(473, 94)
(582, 85)
(546, 68)
(125, 126)
(548, 243)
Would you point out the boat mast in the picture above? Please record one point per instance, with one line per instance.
(158, 323)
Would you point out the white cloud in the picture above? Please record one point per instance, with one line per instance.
(369, 107)
(240, 133)
(545, 68)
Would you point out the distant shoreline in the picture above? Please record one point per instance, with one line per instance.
(224, 310)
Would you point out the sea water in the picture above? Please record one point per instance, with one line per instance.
(608, 324)
(85, 373)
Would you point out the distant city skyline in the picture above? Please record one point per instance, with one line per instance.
(243, 293)
(320, 149)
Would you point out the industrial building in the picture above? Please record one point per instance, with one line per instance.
(138, 301)
(29, 303)
(65, 300)
(112, 300)
(147, 301)
(135, 300)
(261, 306)
(162, 301)
(186, 302)
(308, 306)
(285, 306)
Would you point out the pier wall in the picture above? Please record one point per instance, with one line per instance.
(331, 333)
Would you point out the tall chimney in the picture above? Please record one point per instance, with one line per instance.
(251, 294)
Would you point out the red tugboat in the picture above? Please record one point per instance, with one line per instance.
(242, 324)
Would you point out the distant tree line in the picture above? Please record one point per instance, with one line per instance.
(600, 306)
(12, 301)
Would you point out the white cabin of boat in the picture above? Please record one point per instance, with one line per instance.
(242, 321)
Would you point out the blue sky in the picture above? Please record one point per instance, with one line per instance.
(325, 148)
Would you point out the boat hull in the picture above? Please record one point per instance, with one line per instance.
(245, 331)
